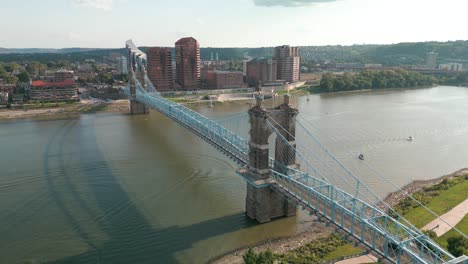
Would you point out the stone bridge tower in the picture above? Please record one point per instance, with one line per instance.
(135, 69)
(262, 202)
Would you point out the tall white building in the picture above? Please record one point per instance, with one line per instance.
(122, 65)
(431, 60)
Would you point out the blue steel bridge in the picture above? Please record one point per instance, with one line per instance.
(295, 174)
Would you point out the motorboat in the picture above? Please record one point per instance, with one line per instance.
(361, 157)
(410, 138)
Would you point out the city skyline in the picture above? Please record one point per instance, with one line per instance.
(238, 23)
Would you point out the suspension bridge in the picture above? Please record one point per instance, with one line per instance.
(304, 173)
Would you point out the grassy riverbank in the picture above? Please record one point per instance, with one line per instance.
(440, 198)
(330, 248)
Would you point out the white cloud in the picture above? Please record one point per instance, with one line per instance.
(289, 3)
(99, 4)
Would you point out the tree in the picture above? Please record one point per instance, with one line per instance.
(327, 81)
(431, 234)
(457, 245)
(12, 66)
(250, 257)
(23, 76)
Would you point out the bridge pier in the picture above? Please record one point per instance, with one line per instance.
(263, 203)
(136, 108)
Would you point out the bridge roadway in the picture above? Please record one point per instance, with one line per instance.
(396, 242)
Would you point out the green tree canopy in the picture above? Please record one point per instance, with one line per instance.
(374, 79)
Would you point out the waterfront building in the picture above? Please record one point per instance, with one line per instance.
(451, 66)
(160, 68)
(53, 91)
(259, 71)
(288, 62)
(373, 65)
(224, 80)
(61, 88)
(431, 60)
(187, 51)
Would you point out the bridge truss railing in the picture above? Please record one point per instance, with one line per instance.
(230, 143)
(364, 222)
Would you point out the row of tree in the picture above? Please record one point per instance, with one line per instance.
(372, 79)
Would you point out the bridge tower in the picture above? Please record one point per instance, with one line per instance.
(135, 70)
(262, 202)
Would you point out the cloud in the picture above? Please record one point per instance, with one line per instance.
(289, 3)
(99, 4)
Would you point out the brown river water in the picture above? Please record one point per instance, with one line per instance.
(112, 188)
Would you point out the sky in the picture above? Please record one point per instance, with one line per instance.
(228, 23)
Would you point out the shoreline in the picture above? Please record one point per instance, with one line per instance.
(278, 245)
(395, 197)
(118, 106)
(285, 244)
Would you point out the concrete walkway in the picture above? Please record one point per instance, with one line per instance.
(452, 217)
(358, 260)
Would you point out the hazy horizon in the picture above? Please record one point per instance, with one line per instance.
(232, 47)
(237, 23)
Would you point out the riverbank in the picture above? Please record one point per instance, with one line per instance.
(279, 245)
(396, 197)
(118, 106)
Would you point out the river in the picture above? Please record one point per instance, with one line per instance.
(112, 188)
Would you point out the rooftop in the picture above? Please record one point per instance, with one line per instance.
(52, 84)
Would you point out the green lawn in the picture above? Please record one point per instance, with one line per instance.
(462, 226)
(343, 251)
(322, 249)
(439, 204)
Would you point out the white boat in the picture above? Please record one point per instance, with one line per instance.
(410, 139)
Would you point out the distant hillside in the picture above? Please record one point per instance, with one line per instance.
(38, 50)
(392, 54)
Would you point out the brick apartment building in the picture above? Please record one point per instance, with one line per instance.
(187, 51)
(224, 80)
(260, 71)
(159, 68)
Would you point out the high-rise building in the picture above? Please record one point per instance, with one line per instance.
(431, 60)
(259, 71)
(122, 67)
(187, 52)
(289, 60)
(159, 68)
